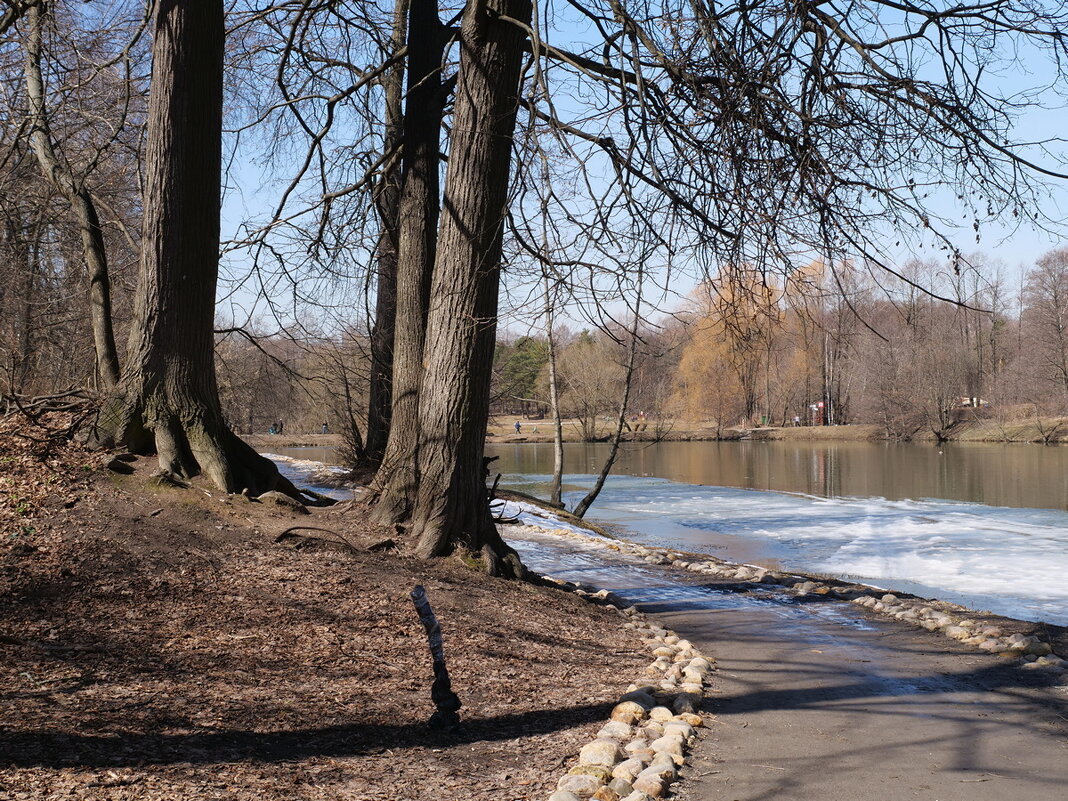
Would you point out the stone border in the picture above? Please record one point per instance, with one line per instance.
(637, 754)
(958, 623)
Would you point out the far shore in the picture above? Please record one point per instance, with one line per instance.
(501, 431)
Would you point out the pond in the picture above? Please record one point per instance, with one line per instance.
(982, 525)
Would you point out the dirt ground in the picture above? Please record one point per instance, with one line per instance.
(158, 643)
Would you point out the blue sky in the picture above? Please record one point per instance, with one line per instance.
(251, 192)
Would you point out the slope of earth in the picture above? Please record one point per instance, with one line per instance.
(159, 643)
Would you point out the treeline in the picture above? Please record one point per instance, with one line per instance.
(823, 347)
(820, 348)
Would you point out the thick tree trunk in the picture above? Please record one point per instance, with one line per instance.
(168, 400)
(380, 396)
(75, 192)
(397, 477)
(452, 509)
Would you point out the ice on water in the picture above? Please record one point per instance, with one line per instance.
(1010, 561)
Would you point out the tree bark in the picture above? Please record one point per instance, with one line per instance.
(380, 396)
(584, 505)
(397, 477)
(77, 194)
(168, 399)
(556, 485)
(452, 508)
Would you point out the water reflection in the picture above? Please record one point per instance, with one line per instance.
(1026, 476)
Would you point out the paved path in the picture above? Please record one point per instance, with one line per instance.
(814, 700)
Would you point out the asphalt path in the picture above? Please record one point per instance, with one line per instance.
(818, 700)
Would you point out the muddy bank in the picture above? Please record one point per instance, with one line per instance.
(853, 433)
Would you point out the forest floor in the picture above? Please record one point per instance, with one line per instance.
(161, 643)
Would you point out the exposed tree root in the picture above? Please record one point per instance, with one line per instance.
(187, 443)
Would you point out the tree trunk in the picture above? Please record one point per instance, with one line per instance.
(397, 478)
(452, 509)
(380, 396)
(584, 505)
(168, 399)
(556, 486)
(59, 174)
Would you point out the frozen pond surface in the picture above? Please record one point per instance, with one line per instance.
(1010, 561)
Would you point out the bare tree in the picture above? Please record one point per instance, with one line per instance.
(74, 189)
(451, 509)
(1046, 312)
(168, 399)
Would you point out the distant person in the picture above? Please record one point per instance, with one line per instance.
(326, 428)
(517, 426)
(278, 426)
(272, 429)
(797, 419)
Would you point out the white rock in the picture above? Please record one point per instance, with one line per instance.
(582, 786)
(628, 769)
(681, 728)
(628, 712)
(661, 713)
(622, 787)
(652, 785)
(653, 729)
(564, 795)
(668, 744)
(600, 752)
(664, 770)
(614, 730)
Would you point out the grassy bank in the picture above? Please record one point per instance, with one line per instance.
(1048, 430)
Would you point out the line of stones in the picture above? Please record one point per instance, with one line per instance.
(1034, 653)
(637, 754)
